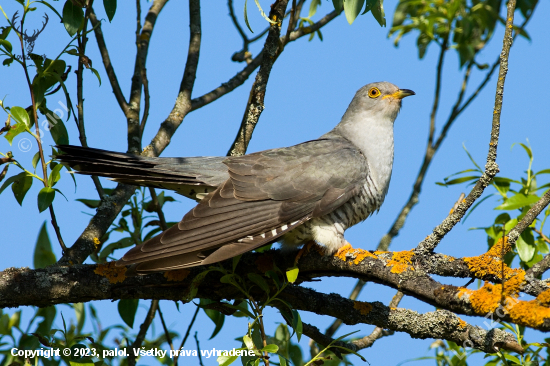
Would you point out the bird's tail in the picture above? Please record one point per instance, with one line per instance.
(193, 177)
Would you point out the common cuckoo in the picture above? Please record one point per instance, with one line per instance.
(312, 191)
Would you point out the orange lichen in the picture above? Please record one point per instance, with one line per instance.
(486, 299)
(341, 253)
(379, 252)
(96, 241)
(357, 254)
(489, 298)
(528, 313)
(401, 261)
(490, 263)
(113, 273)
(462, 323)
(363, 307)
(544, 298)
(177, 275)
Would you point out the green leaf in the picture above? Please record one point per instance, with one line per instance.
(21, 186)
(527, 149)
(58, 129)
(297, 324)
(14, 131)
(235, 261)
(525, 246)
(313, 7)
(352, 8)
(378, 13)
(9, 181)
(214, 315)
(38, 90)
(45, 198)
(246, 17)
(96, 74)
(226, 360)
(73, 16)
(127, 309)
(249, 343)
(110, 8)
(271, 348)
(259, 280)
(194, 287)
(20, 115)
(517, 201)
(35, 160)
(109, 249)
(461, 180)
(292, 274)
(54, 175)
(80, 315)
(5, 32)
(282, 361)
(43, 253)
(6, 44)
(89, 203)
(338, 5)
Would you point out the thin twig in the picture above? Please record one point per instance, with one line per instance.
(187, 335)
(243, 75)
(183, 102)
(491, 167)
(158, 209)
(38, 141)
(255, 105)
(198, 349)
(166, 331)
(143, 331)
(82, 42)
(528, 219)
(544, 237)
(109, 69)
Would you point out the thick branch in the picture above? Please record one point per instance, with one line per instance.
(106, 213)
(78, 283)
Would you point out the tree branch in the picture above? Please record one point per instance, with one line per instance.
(255, 105)
(183, 101)
(81, 283)
(243, 75)
(143, 331)
(107, 63)
(491, 167)
(142, 43)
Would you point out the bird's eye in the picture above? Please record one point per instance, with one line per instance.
(374, 92)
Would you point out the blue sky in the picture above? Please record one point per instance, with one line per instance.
(309, 89)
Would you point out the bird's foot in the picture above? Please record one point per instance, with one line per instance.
(341, 253)
(305, 249)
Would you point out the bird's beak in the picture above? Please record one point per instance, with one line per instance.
(402, 93)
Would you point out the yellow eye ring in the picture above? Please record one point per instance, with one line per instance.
(374, 93)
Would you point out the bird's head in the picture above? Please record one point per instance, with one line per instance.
(381, 99)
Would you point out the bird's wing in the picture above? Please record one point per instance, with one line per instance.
(192, 177)
(268, 194)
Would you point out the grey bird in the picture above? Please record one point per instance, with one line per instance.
(312, 191)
